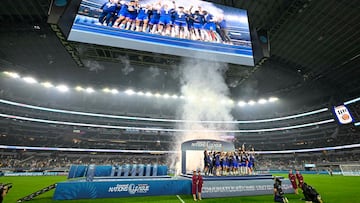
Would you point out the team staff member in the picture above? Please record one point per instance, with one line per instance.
(194, 181)
(199, 184)
(292, 179)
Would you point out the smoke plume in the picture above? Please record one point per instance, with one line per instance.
(206, 99)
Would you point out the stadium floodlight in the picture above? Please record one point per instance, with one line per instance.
(140, 93)
(223, 101)
(230, 102)
(148, 94)
(174, 96)
(114, 91)
(62, 88)
(107, 90)
(158, 95)
(241, 103)
(262, 101)
(182, 97)
(47, 84)
(12, 74)
(251, 102)
(89, 90)
(29, 80)
(79, 88)
(129, 92)
(273, 99)
(166, 96)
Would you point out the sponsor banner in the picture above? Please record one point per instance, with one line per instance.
(210, 145)
(242, 188)
(121, 188)
(343, 115)
(32, 174)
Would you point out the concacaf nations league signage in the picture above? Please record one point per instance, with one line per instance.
(120, 188)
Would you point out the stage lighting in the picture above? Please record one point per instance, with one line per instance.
(231, 102)
(157, 95)
(47, 84)
(241, 103)
(148, 94)
(174, 96)
(62, 88)
(29, 80)
(129, 92)
(140, 93)
(251, 102)
(107, 90)
(273, 99)
(182, 97)
(114, 91)
(89, 90)
(79, 88)
(262, 101)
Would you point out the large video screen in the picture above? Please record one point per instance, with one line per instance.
(181, 27)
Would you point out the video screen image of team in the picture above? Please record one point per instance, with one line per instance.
(193, 20)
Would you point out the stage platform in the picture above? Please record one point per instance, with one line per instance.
(214, 186)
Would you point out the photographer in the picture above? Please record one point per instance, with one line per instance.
(4, 188)
(278, 192)
(311, 195)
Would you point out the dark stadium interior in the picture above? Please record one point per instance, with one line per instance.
(314, 64)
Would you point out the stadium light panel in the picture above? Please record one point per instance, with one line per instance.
(79, 88)
(174, 96)
(62, 88)
(166, 96)
(47, 84)
(148, 94)
(107, 90)
(29, 80)
(251, 102)
(140, 93)
(262, 101)
(231, 102)
(182, 97)
(129, 92)
(273, 99)
(114, 91)
(241, 103)
(12, 74)
(157, 95)
(89, 90)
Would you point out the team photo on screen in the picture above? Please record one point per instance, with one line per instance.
(181, 24)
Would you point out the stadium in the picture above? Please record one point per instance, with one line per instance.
(179, 101)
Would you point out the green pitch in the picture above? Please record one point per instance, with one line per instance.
(333, 189)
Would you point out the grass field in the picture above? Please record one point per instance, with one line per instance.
(337, 189)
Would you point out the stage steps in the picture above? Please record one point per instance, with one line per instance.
(37, 193)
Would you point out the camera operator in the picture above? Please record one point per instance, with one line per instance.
(278, 192)
(4, 188)
(310, 194)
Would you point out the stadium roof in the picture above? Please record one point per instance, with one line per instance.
(315, 52)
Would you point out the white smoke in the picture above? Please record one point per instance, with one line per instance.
(206, 99)
(127, 68)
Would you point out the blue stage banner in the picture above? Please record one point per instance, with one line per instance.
(118, 188)
(229, 188)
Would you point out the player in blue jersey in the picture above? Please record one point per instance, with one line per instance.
(221, 29)
(180, 23)
(107, 12)
(131, 15)
(165, 18)
(217, 163)
(154, 18)
(196, 22)
(210, 27)
(121, 16)
(142, 18)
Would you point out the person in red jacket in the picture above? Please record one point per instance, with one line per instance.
(199, 184)
(194, 184)
(292, 179)
(300, 178)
